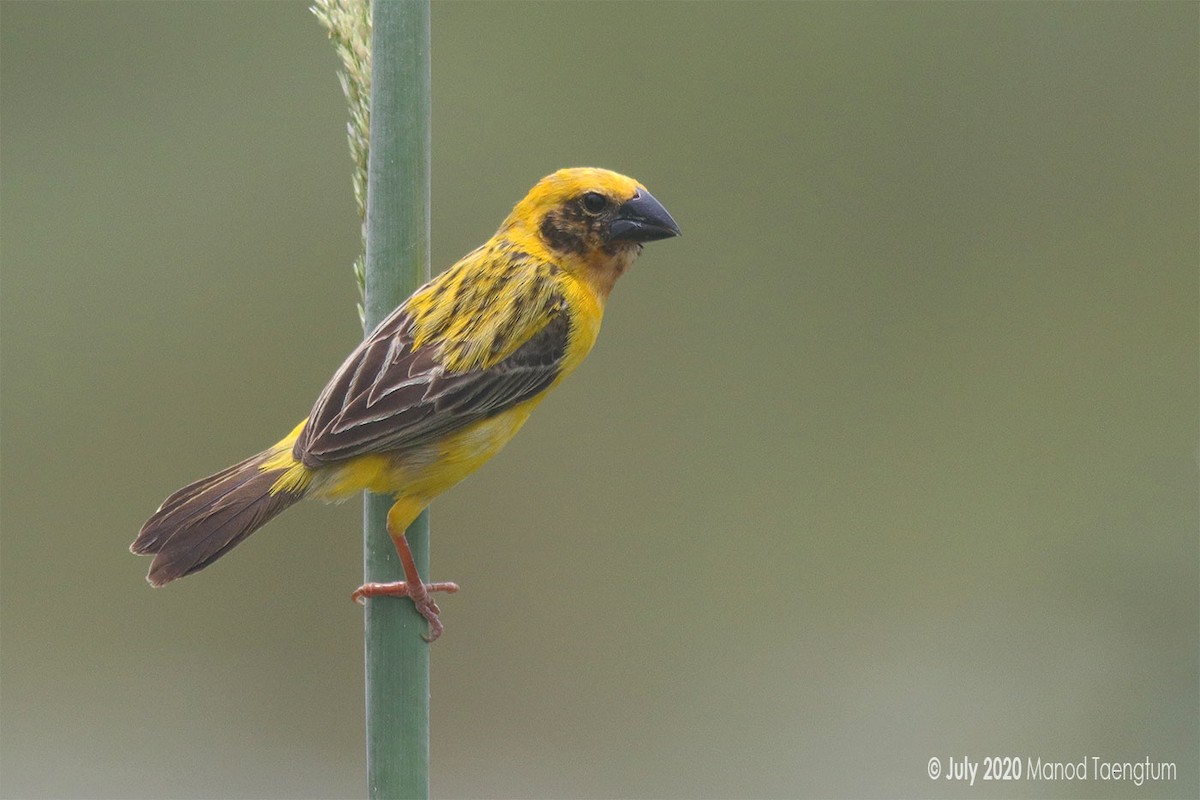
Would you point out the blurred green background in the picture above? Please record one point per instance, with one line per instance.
(893, 455)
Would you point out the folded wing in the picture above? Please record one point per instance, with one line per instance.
(388, 396)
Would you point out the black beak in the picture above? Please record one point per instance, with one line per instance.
(642, 219)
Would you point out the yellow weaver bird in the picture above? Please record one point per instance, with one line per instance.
(439, 386)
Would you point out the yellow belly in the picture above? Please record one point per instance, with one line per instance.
(423, 473)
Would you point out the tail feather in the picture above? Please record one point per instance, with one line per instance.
(204, 520)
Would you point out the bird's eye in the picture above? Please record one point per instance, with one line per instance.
(594, 202)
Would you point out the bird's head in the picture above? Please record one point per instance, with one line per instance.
(590, 221)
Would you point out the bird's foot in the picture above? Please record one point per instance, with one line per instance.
(420, 594)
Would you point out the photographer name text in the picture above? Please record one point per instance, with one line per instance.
(963, 769)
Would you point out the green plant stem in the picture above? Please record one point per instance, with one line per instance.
(398, 186)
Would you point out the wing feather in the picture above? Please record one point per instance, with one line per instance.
(389, 396)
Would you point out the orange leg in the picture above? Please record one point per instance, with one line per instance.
(412, 586)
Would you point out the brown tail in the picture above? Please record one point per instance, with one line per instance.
(206, 519)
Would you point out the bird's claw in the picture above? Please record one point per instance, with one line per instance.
(420, 594)
(428, 609)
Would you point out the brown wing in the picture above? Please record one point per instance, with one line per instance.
(388, 396)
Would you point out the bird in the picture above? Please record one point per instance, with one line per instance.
(439, 386)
